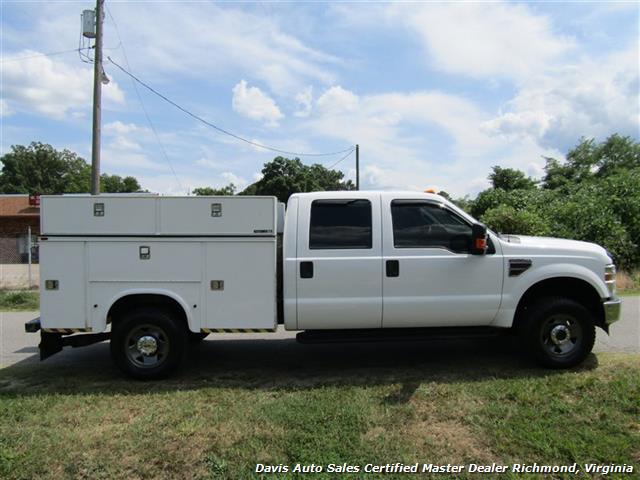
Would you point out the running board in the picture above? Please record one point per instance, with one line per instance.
(396, 334)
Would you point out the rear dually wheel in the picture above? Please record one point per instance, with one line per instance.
(148, 343)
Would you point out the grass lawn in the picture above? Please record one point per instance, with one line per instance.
(217, 421)
(19, 300)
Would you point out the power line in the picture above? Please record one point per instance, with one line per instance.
(353, 149)
(50, 54)
(222, 130)
(146, 114)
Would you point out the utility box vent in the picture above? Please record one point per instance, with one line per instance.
(216, 209)
(98, 209)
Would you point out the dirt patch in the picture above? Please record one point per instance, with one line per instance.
(438, 427)
(452, 439)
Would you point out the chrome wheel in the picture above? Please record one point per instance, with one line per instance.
(147, 346)
(561, 335)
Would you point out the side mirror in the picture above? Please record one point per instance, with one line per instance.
(478, 239)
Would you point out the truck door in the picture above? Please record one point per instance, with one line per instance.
(430, 279)
(339, 264)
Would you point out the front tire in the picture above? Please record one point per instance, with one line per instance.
(148, 343)
(558, 332)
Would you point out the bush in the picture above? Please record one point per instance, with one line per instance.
(506, 219)
(593, 196)
(19, 300)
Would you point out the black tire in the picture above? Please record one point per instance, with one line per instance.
(145, 329)
(197, 337)
(558, 332)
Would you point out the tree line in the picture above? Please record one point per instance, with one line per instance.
(593, 196)
(39, 168)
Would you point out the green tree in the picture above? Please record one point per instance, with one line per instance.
(510, 179)
(506, 219)
(594, 195)
(283, 176)
(39, 168)
(117, 184)
(224, 191)
(589, 160)
(587, 214)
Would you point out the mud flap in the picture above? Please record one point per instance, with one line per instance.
(50, 344)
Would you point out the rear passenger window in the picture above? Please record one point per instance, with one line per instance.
(340, 224)
(418, 224)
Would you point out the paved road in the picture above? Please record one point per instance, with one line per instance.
(17, 347)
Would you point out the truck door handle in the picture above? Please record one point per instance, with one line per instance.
(393, 268)
(306, 269)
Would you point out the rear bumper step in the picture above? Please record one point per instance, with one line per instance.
(396, 334)
(32, 326)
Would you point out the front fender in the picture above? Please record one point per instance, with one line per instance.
(516, 287)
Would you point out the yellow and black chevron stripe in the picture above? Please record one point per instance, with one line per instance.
(65, 331)
(237, 330)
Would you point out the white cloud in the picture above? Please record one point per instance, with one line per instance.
(230, 177)
(115, 159)
(123, 143)
(221, 40)
(336, 100)
(383, 121)
(593, 98)
(253, 103)
(304, 100)
(405, 138)
(120, 128)
(126, 149)
(50, 87)
(484, 39)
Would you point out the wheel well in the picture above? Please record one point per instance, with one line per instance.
(141, 300)
(568, 287)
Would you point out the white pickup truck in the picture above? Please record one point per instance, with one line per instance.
(151, 273)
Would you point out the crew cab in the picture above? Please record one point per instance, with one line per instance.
(154, 274)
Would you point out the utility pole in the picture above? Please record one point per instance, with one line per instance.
(98, 73)
(357, 167)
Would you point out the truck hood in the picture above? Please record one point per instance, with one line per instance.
(555, 246)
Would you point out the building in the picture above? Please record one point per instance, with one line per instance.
(18, 213)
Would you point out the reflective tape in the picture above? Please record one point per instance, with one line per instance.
(238, 330)
(65, 331)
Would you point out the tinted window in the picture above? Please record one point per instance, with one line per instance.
(340, 224)
(428, 225)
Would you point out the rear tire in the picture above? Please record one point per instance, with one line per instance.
(148, 343)
(558, 332)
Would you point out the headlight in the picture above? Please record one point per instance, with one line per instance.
(610, 278)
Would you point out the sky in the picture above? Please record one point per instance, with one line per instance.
(434, 93)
